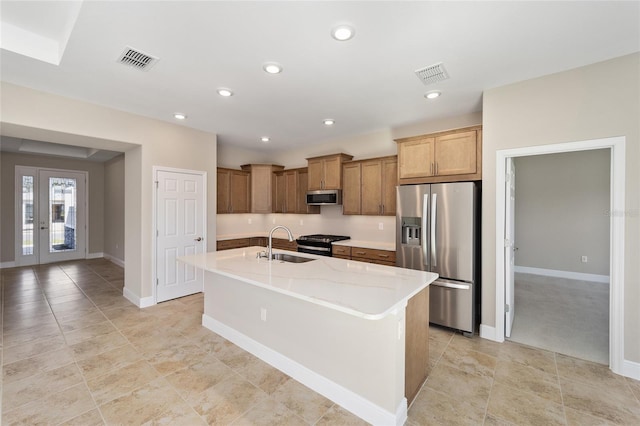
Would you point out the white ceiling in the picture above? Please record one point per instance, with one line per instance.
(365, 84)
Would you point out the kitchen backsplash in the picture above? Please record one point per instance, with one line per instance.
(330, 221)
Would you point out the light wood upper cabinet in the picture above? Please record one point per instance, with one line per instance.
(441, 157)
(326, 172)
(370, 187)
(291, 192)
(263, 181)
(233, 191)
(352, 180)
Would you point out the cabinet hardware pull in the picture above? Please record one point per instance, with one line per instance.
(361, 252)
(384, 255)
(436, 167)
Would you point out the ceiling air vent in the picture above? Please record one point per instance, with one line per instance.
(432, 74)
(137, 59)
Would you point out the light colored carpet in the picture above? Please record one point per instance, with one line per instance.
(566, 316)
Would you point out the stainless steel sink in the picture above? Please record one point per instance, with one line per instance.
(283, 257)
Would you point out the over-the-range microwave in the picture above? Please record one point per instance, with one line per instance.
(324, 197)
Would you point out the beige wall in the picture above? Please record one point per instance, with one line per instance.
(95, 191)
(562, 204)
(596, 101)
(114, 208)
(146, 143)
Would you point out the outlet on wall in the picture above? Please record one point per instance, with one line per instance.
(263, 314)
(301, 222)
(249, 221)
(584, 259)
(380, 226)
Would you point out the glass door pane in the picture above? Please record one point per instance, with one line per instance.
(27, 215)
(62, 214)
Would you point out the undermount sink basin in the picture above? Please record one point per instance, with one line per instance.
(283, 257)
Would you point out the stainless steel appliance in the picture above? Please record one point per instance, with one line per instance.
(324, 197)
(318, 243)
(436, 230)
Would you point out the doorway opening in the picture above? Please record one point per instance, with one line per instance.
(561, 286)
(50, 215)
(616, 145)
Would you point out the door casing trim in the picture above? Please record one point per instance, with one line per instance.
(616, 236)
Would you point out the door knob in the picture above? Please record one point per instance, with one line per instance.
(197, 239)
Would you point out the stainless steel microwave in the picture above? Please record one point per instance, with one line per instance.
(324, 197)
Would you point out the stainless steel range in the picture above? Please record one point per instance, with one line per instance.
(318, 243)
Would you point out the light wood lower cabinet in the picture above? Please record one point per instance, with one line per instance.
(416, 363)
(233, 244)
(380, 257)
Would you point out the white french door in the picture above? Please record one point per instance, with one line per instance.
(180, 222)
(51, 215)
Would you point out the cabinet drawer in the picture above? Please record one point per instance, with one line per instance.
(341, 251)
(231, 244)
(381, 256)
(282, 244)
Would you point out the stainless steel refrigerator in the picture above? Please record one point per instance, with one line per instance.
(436, 230)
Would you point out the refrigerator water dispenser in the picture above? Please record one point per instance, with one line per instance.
(411, 231)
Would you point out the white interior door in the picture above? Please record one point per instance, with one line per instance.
(509, 246)
(51, 215)
(180, 219)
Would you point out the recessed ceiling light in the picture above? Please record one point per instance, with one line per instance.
(223, 91)
(329, 121)
(343, 32)
(180, 116)
(432, 95)
(265, 139)
(272, 67)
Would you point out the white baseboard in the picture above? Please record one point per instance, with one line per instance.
(11, 264)
(631, 369)
(115, 260)
(562, 274)
(488, 332)
(349, 400)
(140, 302)
(95, 255)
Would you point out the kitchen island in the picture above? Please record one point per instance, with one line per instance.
(337, 326)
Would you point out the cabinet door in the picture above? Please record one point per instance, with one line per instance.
(456, 154)
(240, 192)
(389, 183)
(332, 172)
(223, 186)
(371, 187)
(316, 175)
(291, 191)
(281, 192)
(303, 185)
(352, 186)
(416, 158)
(261, 184)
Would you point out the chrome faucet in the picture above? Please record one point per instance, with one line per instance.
(270, 246)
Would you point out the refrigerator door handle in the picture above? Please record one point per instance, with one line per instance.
(451, 285)
(434, 254)
(425, 211)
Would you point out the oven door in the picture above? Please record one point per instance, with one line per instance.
(321, 251)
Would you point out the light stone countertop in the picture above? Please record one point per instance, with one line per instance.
(361, 289)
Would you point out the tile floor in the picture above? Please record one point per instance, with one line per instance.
(74, 351)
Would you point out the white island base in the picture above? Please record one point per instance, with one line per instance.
(282, 314)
